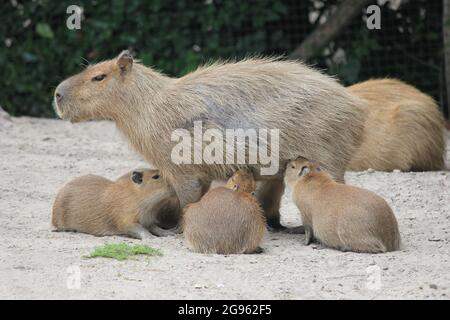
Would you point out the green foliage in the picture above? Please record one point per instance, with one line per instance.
(122, 251)
(37, 50)
(44, 30)
(408, 46)
(349, 71)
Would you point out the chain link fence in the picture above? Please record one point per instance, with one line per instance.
(408, 46)
(37, 50)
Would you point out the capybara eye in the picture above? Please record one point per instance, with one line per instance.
(137, 177)
(100, 77)
(293, 167)
(318, 168)
(156, 176)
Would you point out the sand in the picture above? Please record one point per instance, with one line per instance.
(37, 156)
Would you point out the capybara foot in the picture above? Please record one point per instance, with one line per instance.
(308, 235)
(177, 230)
(258, 250)
(295, 230)
(274, 225)
(160, 232)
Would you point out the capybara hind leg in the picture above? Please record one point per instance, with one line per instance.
(359, 242)
(168, 219)
(269, 195)
(189, 190)
(274, 224)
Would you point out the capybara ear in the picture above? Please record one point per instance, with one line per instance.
(125, 61)
(305, 170)
(137, 177)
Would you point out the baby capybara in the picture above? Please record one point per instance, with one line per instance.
(136, 205)
(341, 216)
(227, 219)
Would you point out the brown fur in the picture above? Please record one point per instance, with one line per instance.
(269, 194)
(95, 205)
(242, 180)
(341, 216)
(404, 128)
(226, 220)
(317, 117)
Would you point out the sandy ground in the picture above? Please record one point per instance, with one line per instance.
(38, 156)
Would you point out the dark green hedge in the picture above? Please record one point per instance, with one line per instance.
(37, 50)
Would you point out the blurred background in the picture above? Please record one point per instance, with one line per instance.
(37, 50)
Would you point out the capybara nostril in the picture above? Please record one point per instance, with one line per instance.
(137, 177)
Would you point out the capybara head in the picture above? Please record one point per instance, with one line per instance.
(147, 181)
(299, 168)
(94, 93)
(242, 180)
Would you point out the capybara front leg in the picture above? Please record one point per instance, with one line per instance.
(189, 190)
(269, 195)
(139, 232)
(308, 235)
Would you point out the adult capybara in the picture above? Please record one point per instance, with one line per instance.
(404, 128)
(226, 220)
(136, 203)
(341, 216)
(315, 116)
